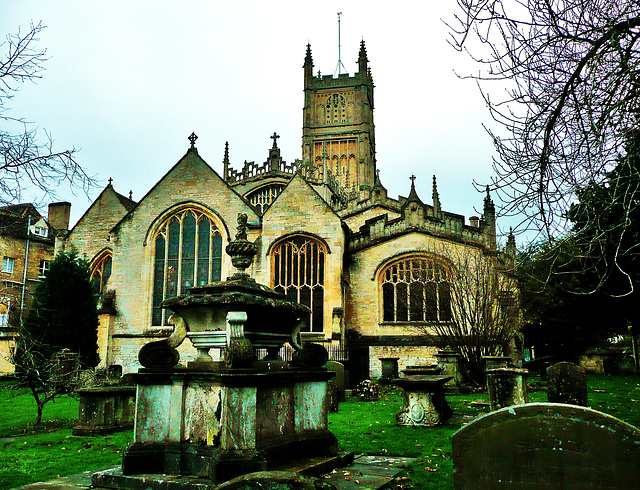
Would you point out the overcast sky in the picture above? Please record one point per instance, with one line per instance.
(127, 82)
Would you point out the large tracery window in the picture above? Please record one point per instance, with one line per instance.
(416, 289)
(188, 253)
(298, 265)
(101, 272)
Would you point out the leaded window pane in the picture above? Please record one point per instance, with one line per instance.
(188, 252)
(298, 271)
(415, 290)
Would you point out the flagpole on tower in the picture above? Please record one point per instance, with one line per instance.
(340, 67)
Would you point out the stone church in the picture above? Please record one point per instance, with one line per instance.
(374, 270)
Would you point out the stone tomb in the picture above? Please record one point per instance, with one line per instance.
(566, 384)
(220, 425)
(424, 402)
(546, 445)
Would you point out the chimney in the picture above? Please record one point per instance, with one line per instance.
(59, 213)
(474, 220)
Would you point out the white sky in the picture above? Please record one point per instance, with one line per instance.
(127, 82)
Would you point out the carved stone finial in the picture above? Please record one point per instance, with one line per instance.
(192, 139)
(241, 250)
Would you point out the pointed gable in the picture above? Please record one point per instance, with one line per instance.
(191, 179)
(300, 208)
(90, 234)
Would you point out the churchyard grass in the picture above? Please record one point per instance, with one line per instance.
(30, 454)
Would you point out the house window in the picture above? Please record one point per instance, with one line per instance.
(298, 272)
(101, 272)
(416, 289)
(8, 264)
(188, 253)
(5, 303)
(43, 268)
(40, 231)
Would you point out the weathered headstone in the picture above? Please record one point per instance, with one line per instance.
(546, 445)
(566, 384)
(339, 379)
(389, 369)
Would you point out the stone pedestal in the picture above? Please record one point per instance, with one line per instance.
(506, 387)
(424, 402)
(448, 359)
(218, 425)
(389, 369)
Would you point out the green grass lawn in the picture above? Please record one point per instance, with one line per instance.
(30, 455)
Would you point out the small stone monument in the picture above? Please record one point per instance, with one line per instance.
(507, 386)
(566, 384)
(546, 446)
(449, 360)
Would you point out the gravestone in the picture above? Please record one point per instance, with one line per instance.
(389, 369)
(546, 445)
(566, 384)
(339, 380)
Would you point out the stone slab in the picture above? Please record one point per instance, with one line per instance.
(368, 472)
(546, 445)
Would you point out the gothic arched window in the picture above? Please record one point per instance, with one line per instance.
(100, 272)
(298, 272)
(188, 252)
(416, 289)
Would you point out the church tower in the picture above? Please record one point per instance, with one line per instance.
(338, 136)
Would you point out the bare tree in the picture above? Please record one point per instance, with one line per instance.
(27, 159)
(484, 309)
(45, 377)
(564, 88)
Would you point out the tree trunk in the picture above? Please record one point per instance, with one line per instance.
(39, 407)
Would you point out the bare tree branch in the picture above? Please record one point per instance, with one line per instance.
(28, 160)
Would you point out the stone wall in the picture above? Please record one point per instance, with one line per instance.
(407, 356)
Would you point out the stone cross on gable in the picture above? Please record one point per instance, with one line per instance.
(192, 138)
(274, 137)
(413, 179)
(110, 181)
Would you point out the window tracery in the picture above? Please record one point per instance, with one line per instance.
(298, 272)
(188, 253)
(262, 198)
(416, 289)
(101, 272)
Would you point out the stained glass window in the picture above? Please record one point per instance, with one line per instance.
(188, 253)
